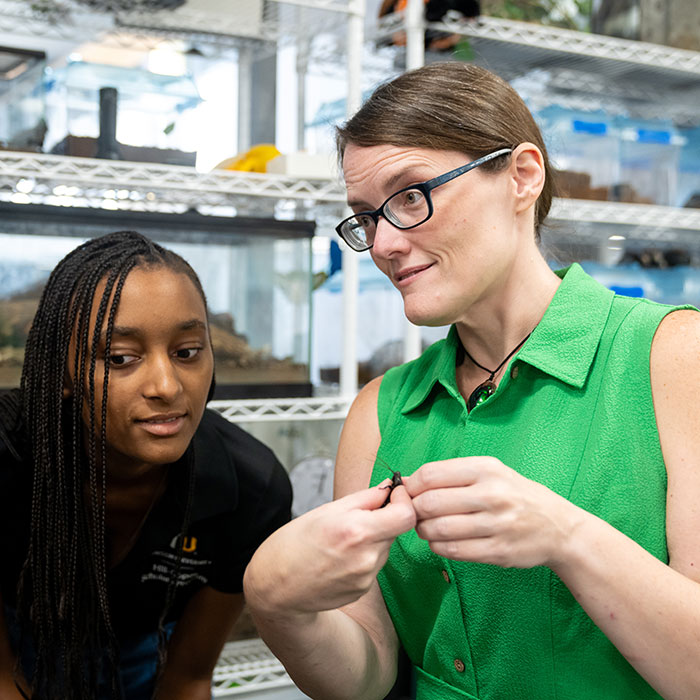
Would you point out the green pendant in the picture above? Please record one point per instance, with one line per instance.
(480, 394)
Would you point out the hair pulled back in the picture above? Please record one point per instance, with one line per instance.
(62, 590)
(449, 106)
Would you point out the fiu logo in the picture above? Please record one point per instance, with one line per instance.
(189, 544)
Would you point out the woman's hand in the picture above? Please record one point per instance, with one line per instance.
(478, 509)
(328, 557)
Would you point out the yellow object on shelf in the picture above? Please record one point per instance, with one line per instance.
(254, 160)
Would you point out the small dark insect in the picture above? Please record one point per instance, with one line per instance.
(395, 481)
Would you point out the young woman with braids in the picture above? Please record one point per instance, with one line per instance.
(127, 511)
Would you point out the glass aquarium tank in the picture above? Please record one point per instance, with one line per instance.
(256, 274)
(22, 107)
(156, 117)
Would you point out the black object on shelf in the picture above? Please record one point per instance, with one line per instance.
(107, 145)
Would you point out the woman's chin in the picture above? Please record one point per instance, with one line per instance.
(425, 316)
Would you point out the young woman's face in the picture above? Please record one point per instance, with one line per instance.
(161, 367)
(460, 255)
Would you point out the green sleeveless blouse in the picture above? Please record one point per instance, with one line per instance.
(574, 412)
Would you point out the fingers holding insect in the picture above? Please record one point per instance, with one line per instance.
(396, 480)
(478, 509)
(447, 473)
(398, 516)
(330, 556)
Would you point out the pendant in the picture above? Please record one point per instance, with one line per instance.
(480, 394)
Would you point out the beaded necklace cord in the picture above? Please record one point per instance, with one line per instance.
(485, 389)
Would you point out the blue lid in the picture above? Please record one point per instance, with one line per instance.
(586, 127)
(653, 136)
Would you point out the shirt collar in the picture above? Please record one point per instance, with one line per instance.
(565, 341)
(562, 345)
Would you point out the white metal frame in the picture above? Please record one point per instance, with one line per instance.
(120, 29)
(542, 39)
(297, 409)
(624, 214)
(245, 666)
(184, 185)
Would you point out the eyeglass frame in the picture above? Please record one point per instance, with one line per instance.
(425, 188)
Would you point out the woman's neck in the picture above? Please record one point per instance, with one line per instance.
(495, 325)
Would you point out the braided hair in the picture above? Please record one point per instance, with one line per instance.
(62, 590)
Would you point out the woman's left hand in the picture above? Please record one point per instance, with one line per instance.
(478, 509)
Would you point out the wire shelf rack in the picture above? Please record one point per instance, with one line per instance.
(248, 23)
(246, 666)
(296, 409)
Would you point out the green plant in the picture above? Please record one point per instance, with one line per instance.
(569, 14)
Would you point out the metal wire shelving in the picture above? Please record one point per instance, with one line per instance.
(571, 63)
(249, 666)
(247, 22)
(39, 176)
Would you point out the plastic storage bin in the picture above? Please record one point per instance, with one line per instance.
(649, 162)
(584, 148)
(688, 186)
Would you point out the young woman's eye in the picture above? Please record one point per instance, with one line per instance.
(121, 360)
(187, 353)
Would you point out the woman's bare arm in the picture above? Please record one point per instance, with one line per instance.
(650, 611)
(312, 588)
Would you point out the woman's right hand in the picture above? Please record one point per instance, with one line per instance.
(328, 557)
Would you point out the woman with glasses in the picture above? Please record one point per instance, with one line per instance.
(544, 542)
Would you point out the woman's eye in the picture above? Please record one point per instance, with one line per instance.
(187, 353)
(413, 197)
(121, 360)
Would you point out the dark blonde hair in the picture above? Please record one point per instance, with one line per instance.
(449, 106)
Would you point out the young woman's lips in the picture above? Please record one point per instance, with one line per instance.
(163, 426)
(407, 275)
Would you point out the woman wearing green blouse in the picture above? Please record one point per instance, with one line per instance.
(544, 542)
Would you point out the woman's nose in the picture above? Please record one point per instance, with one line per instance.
(162, 380)
(388, 240)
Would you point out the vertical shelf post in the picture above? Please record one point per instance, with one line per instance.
(415, 58)
(351, 287)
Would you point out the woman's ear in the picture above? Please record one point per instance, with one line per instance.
(528, 174)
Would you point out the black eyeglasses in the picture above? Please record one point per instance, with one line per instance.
(407, 208)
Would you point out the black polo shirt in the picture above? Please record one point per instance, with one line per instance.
(242, 494)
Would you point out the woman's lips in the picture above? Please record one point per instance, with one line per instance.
(162, 427)
(407, 275)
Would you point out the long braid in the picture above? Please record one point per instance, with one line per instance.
(62, 589)
(173, 583)
(112, 649)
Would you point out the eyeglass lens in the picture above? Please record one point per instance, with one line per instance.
(405, 209)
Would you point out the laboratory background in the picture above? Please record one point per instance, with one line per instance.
(208, 126)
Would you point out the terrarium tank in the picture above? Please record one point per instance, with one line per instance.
(256, 274)
(22, 107)
(156, 116)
